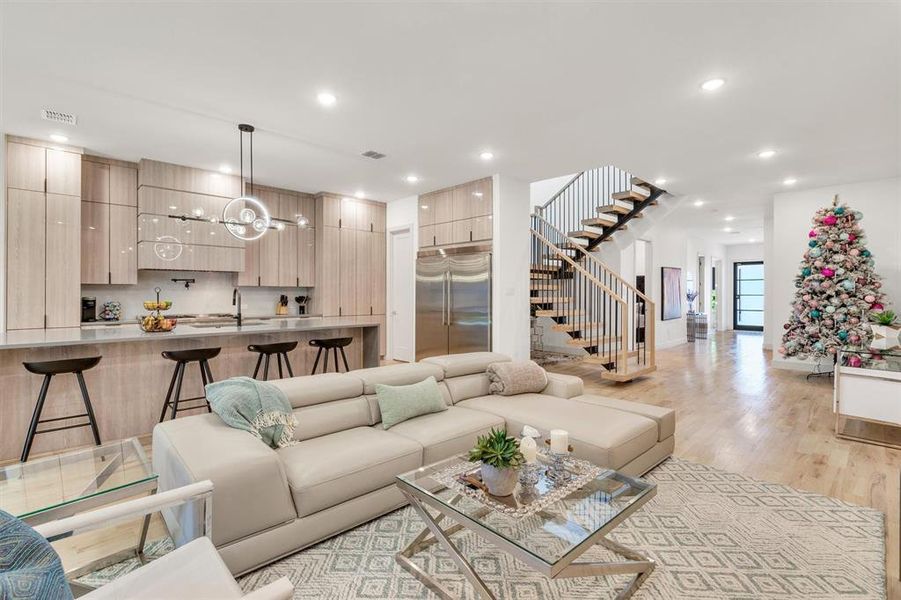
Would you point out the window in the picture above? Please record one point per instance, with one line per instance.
(747, 308)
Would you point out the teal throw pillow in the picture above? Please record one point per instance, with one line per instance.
(398, 403)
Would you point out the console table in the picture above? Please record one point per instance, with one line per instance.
(867, 389)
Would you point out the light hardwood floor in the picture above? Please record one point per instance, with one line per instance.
(737, 413)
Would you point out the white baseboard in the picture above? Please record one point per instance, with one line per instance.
(806, 366)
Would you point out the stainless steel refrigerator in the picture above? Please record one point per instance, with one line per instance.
(453, 301)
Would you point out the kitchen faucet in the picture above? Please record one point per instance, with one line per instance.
(236, 301)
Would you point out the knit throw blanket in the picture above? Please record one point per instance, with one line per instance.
(254, 406)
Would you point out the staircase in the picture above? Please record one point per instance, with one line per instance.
(600, 312)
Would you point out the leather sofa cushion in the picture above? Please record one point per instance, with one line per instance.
(465, 387)
(455, 365)
(329, 417)
(328, 470)
(404, 374)
(605, 436)
(664, 417)
(316, 389)
(447, 433)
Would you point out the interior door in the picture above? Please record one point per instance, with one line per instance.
(469, 298)
(402, 309)
(431, 306)
(747, 305)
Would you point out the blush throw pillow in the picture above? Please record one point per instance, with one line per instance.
(511, 378)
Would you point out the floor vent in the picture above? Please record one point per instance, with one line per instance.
(373, 154)
(58, 117)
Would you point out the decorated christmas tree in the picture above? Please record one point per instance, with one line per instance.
(837, 287)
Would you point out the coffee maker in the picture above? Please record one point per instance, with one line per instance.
(88, 309)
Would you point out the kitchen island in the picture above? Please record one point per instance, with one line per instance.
(129, 385)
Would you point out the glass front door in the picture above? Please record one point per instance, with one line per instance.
(747, 308)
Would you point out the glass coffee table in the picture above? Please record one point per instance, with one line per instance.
(545, 525)
(54, 487)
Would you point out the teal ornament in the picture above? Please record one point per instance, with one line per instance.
(848, 285)
(830, 309)
(839, 210)
(871, 262)
(843, 335)
(818, 346)
(865, 253)
(806, 272)
(815, 252)
(812, 243)
(814, 314)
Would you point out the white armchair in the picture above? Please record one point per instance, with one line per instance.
(193, 571)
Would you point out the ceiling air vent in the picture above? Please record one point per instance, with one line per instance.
(58, 117)
(373, 154)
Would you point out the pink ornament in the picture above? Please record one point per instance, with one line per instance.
(818, 264)
(845, 296)
(806, 297)
(851, 237)
(826, 284)
(854, 320)
(854, 338)
(830, 245)
(812, 233)
(876, 306)
(870, 298)
(854, 252)
(877, 284)
(831, 349)
(854, 361)
(829, 219)
(827, 272)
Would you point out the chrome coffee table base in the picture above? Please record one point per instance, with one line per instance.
(634, 563)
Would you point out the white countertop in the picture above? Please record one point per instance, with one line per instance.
(73, 336)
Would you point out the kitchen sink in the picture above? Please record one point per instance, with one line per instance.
(221, 324)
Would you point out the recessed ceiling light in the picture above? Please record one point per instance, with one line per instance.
(59, 138)
(790, 181)
(712, 85)
(698, 203)
(660, 181)
(486, 155)
(360, 194)
(225, 169)
(412, 178)
(727, 229)
(752, 240)
(326, 98)
(729, 218)
(766, 154)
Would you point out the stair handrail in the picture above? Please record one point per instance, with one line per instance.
(560, 191)
(597, 261)
(578, 267)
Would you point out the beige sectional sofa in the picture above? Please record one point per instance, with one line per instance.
(269, 503)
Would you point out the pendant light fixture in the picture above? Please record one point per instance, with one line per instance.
(245, 217)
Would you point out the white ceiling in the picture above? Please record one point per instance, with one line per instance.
(550, 88)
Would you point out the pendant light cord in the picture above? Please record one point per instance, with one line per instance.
(241, 159)
(251, 162)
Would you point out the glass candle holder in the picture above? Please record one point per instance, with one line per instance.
(556, 470)
(528, 473)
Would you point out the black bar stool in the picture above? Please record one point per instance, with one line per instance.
(48, 369)
(280, 349)
(333, 344)
(182, 357)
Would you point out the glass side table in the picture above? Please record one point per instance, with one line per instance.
(867, 392)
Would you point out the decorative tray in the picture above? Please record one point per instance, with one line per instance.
(526, 499)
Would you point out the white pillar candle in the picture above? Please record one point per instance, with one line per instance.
(529, 449)
(559, 441)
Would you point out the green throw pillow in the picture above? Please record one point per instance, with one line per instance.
(398, 403)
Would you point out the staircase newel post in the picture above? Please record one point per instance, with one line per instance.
(624, 340)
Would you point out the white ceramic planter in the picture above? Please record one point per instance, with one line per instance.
(500, 482)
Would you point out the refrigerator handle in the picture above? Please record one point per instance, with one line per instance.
(450, 296)
(444, 299)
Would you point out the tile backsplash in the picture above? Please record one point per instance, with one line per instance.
(211, 293)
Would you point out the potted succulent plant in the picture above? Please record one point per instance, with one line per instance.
(882, 324)
(500, 457)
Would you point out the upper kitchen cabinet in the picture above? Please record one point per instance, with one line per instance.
(328, 210)
(109, 221)
(349, 213)
(177, 197)
(456, 215)
(43, 220)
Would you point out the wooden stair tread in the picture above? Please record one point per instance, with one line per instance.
(544, 267)
(558, 313)
(599, 221)
(550, 300)
(584, 233)
(589, 342)
(628, 375)
(630, 195)
(575, 326)
(639, 182)
(614, 208)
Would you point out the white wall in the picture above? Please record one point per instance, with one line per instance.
(542, 191)
(401, 213)
(739, 253)
(510, 268)
(880, 203)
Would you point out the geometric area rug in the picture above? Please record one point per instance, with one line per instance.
(714, 535)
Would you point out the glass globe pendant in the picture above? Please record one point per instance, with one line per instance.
(245, 217)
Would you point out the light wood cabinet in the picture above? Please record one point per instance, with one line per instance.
(327, 298)
(26, 167)
(481, 197)
(95, 182)
(26, 258)
(427, 236)
(95, 241)
(457, 215)
(177, 177)
(426, 210)
(187, 257)
(250, 276)
(482, 228)
(444, 234)
(461, 231)
(363, 270)
(43, 264)
(123, 185)
(289, 209)
(462, 202)
(328, 211)
(443, 203)
(123, 254)
(378, 272)
(63, 278)
(306, 257)
(347, 273)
